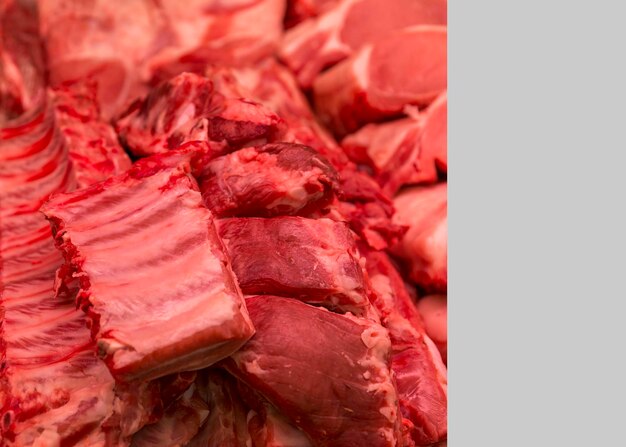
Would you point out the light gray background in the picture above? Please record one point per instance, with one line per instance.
(537, 204)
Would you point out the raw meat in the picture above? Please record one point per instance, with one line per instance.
(180, 423)
(92, 143)
(434, 312)
(338, 388)
(227, 423)
(435, 135)
(269, 180)
(219, 31)
(425, 245)
(300, 10)
(53, 387)
(21, 59)
(421, 377)
(157, 305)
(314, 260)
(188, 108)
(316, 44)
(378, 81)
(103, 40)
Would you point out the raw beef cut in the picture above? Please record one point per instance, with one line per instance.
(316, 44)
(314, 260)
(269, 180)
(425, 245)
(188, 108)
(227, 423)
(421, 377)
(338, 388)
(105, 40)
(405, 151)
(378, 81)
(92, 143)
(434, 312)
(157, 305)
(53, 388)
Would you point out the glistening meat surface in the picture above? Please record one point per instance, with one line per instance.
(158, 305)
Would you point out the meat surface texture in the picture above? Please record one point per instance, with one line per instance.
(421, 377)
(53, 388)
(406, 67)
(434, 312)
(405, 151)
(187, 108)
(314, 260)
(92, 143)
(157, 305)
(269, 180)
(425, 245)
(343, 29)
(338, 388)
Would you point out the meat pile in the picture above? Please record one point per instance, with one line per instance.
(223, 223)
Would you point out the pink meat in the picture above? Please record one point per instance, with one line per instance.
(338, 388)
(187, 108)
(319, 43)
(425, 245)
(421, 377)
(378, 81)
(300, 10)
(156, 308)
(104, 40)
(92, 143)
(405, 151)
(314, 260)
(434, 312)
(269, 180)
(53, 388)
(226, 32)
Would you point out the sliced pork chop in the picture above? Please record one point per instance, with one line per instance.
(158, 305)
(266, 181)
(53, 388)
(377, 82)
(187, 108)
(425, 245)
(338, 388)
(314, 260)
(316, 44)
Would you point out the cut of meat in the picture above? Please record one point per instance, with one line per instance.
(227, 32)
(21, 59)
(92, 143)
(269, 180)
(405, 151)
(227, 423)
(104, 40)
(53, 388)
(421, 377)
(338, 388)
(425, 245)
(180, 423)
(188, 108)
(434, 312)
(406, 67)
(157, 305)
(314, 260)
(316, 44)
(300, 10)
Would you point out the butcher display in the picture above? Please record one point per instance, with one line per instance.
(223, 223)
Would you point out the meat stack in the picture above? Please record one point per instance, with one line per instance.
(188, 255)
